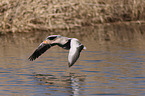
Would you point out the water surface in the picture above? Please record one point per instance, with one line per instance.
(113, 64)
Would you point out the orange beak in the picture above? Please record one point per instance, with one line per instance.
(45, 42)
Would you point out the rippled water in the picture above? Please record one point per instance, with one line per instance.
(107, 67)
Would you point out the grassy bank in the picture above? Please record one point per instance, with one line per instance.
(44, 15)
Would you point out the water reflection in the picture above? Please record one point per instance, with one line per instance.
(101, 33)
(71, 82)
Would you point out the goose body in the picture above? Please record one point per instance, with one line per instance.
(72, 44)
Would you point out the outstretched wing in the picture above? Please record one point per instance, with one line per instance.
(74, 52)
(40, 50)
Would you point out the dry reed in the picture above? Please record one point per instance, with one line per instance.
(44, 15)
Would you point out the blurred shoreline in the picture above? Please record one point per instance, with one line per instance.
(49, 15)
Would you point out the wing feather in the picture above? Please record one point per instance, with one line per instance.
(74, 55)
(40, 50)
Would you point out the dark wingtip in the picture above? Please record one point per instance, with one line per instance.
(39, 51)
(33, 56)
(31, 59)
(69, 65)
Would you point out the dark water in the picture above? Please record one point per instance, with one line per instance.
(113, 64)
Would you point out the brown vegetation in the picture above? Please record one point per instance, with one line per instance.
(44, 15)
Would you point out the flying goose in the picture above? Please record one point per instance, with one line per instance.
(72, 44)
